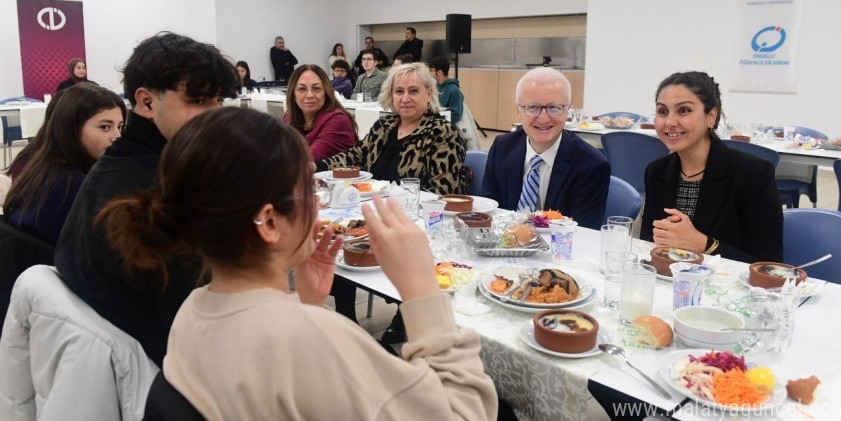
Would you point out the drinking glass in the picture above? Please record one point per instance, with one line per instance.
(637, 293)
(412, 186)
(613, 238)
(614, 262)
(625, 222)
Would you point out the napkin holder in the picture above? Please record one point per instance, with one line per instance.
(344, 196)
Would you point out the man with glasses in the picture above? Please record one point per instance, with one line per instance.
(369, 83)
(379, 56)
(540, 166)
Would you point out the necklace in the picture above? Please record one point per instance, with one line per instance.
(693, 175)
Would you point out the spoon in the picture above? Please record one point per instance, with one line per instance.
(615, 350)
(793, 270)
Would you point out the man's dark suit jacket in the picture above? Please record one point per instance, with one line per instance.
(738, 204)
(577, 187)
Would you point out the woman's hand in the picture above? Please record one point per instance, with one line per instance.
(402, 249)
(676, 230)
(314, 277)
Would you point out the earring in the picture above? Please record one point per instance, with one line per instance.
(258, 221)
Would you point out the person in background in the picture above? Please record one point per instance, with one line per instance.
(541, 166)
(449, 94)
(283, 61)
(402, 59)
(338, 53)
(342, 82)
(414, 142)
(85, 120)
(380, 59)
(313, 110)
(245, 79)
(705, 197)
(169, 79)
(413, 45)
(78, 70)
(371, 81)
(254, 223)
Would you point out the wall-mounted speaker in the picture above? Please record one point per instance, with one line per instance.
(458, 33)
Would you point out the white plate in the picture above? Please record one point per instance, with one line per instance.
(527, 335)
(528, 309)
(328, 175)
(584, 287)
(377, 187)
(480, 204)
(340, 262)
(808, 288)
(667, 372)
(664, 278)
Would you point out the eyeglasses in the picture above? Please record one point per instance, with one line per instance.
(302, 90)
(553, 110)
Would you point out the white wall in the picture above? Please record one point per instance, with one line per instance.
(246, 30)
(633, 45)
(112, 30)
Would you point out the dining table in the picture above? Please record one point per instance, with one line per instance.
(542, 386)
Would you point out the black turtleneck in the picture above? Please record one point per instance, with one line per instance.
(134, 302)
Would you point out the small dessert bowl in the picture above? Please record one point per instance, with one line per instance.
(662, 257)
(359, 254)
(475, 219)
(704, 327)
(566, 331)
(457, 202)
(773, 275)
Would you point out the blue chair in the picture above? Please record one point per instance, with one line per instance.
(809, 234)
(791, 189)
(632, 116)
(760, 152)
(629, 153)
(837, 166)
(622, 200)
(475, 160)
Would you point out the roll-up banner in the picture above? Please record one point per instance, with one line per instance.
(51, 34)
(766, 46)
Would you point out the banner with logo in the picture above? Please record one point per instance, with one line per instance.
(766, 46)
(51, 34)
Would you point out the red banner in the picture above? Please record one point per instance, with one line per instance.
(51, 33)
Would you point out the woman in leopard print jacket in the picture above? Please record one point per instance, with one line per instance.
(414, 142)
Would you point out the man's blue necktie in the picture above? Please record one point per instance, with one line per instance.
(531, 186)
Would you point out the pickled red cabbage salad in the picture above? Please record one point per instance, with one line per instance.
(541, 219)
(720, 377)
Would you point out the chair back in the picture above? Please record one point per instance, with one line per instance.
(630, 153)
(837, 166)
(62, 361)
(165, 403)
(809, 234)
(18, 251)
(622, 200)
(614, 114)
(804, 131)
(475, 160)
(760, 152)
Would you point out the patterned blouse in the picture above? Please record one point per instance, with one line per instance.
(434, 153)
(687, 196)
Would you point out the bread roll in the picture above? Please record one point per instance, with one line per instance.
(653, 331)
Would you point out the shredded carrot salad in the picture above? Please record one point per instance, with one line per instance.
(733, 388)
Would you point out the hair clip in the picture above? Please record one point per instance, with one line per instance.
(258, 221)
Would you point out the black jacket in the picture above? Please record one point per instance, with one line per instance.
(411, 47)
(283, 62)
(133, 301)
(738, 204)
